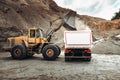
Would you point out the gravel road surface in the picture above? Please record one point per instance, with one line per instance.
(101, 67)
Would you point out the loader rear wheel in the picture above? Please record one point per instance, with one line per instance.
(50, 52)
(18, 52)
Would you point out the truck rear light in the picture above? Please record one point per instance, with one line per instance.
(87, 51)
(68, 51)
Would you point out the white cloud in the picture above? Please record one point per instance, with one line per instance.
(98, 8)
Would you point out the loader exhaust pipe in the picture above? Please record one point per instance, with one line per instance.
(3, 41)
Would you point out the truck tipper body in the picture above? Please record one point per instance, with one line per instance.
(78, 44)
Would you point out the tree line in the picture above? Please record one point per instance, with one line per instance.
(116, 16)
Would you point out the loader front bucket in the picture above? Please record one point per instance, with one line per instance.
(69, 21)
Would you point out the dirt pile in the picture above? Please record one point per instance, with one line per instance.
(100, 24)
(17, 15)
(109, 45)
(104, 34)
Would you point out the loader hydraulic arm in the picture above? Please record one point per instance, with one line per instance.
(52, 31)
(67, 21)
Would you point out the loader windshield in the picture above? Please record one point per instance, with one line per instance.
(39, 33)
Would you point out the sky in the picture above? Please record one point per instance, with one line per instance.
(97, 8)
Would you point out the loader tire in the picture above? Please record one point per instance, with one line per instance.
(58, 50)
(50, 52)
(18, 52)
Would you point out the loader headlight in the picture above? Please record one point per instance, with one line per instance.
(44, 40)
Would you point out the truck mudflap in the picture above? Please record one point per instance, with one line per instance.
(77, 54)
(78, 57)
(85, 58)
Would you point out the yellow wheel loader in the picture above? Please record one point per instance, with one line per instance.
(34, 42)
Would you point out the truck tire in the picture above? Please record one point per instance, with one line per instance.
(18, 52)
(67, 59)
(58, 49)
(88, 59)
(50, 52)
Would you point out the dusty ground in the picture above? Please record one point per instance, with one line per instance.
(102, 67)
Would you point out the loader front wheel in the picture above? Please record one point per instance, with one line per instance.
(18, 52)
(50, 52)
(58, 50)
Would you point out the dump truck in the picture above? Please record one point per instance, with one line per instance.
(34, 42)
(78, 44)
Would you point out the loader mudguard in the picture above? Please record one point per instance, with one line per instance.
(25, 43)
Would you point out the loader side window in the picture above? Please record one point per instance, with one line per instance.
(32, 33)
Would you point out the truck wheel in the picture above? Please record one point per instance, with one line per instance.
(50, 52)
(18, 52)
(58, 50)
(88, 59)
(67, 59)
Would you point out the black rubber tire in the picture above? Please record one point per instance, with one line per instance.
(88, 59)
(67, 59)
(18, 52)
(54, 54)
(58, 49)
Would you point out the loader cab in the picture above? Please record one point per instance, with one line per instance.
(34, 35)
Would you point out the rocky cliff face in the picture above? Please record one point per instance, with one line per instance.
(17, 15)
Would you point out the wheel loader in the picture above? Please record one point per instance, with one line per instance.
(34, 42)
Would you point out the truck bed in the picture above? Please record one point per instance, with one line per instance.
(78, 39)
